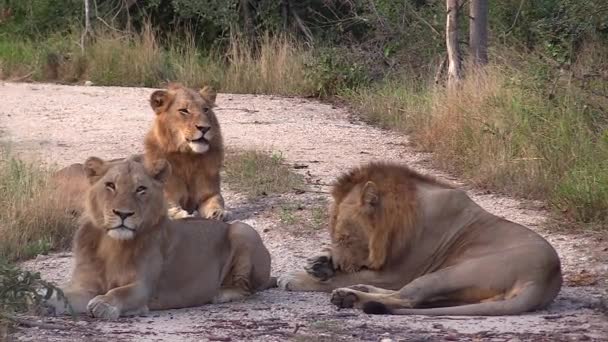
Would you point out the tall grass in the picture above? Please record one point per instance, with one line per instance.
(277, 68)
(33, 218)
(275, 65)
(501, 130)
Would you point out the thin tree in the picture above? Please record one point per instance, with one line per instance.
(87, 25)
(478, 31)
(451, 39)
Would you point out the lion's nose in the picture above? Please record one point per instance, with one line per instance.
(122, 214)
(203, 129)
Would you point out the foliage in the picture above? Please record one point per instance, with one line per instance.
(21, 291)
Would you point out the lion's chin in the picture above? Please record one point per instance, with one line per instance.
(198, 147)
(121, 234)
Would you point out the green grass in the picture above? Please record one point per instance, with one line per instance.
(32, 218)
(501, 131)
(18, 58)
(257, 173)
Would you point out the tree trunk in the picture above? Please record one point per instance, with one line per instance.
(451, 39)
(87, 26)
(248, 25)
(478, 31)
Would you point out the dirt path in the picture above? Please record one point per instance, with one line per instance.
(65, 124)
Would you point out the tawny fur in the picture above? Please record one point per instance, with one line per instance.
(157, 263)
(402, 242)
(195, 182)
(194, 185)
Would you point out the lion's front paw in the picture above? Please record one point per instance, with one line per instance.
(219, 214)
(344, 298)
(284, 281)
(320, 267)
(99, 307)
(176, 213)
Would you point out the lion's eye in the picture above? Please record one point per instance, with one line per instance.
(184, 111)
(141, 189)
(110, 186)
(205, 109)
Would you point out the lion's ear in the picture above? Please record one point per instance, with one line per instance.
(209, 95)
(160, 170)
(95, 168)
(369, 194)
(160, 100)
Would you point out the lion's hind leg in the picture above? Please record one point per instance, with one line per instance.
(459, 283)
(358, 296)
(230, 294)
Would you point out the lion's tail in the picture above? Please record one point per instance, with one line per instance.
(530, 298)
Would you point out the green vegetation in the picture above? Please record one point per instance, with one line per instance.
(21, 292)
(257, 173)
(32, 219)
(300, 219)
(533, 122)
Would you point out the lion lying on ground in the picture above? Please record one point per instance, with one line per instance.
(186, 133)
(130, 257)
(403, 243)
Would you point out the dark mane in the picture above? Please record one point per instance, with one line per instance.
(385, 175)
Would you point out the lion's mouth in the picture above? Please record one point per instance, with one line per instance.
(200, 140)
(122, 226)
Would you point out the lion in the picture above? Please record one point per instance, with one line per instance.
(187, 134)
(131, 258)
(403, 243)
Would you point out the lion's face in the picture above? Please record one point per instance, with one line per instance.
(351, 222)
(125, 196)
(188, 117)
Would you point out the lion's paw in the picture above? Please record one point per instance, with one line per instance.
(219, 214)
(176, 213)
(344, 298)
(283, 281)
(320, 267)
(99, 307)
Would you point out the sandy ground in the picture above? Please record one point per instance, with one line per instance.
(65, 124)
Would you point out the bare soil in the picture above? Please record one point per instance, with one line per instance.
(60, 125)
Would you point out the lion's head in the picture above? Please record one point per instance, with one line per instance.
(185, 121)
(373, 214)
(125, 196)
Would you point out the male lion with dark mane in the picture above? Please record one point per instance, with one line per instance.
(403, 243)
(131, 258)
(187, 134)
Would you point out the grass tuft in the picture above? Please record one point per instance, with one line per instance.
(256, 173)
(32, 219)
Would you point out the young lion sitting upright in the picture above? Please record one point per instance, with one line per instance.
(130, 257)
(187, 134)
(403, 243)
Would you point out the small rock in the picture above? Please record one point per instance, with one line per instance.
(386, 340)
(88, 83)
